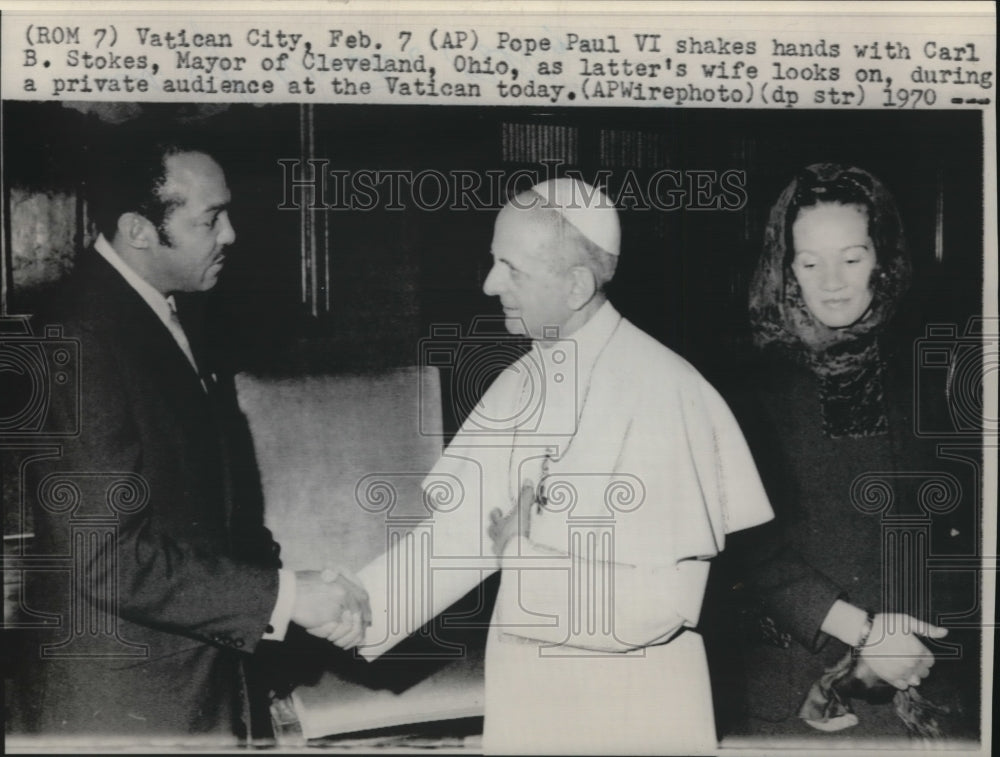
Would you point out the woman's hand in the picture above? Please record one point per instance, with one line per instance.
(894, 652)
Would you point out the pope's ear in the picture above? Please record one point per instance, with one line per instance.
(136, 230)
(583, 286)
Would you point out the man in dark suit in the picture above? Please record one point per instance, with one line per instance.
(175, 580)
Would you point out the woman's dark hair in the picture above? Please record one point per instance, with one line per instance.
(829, 183)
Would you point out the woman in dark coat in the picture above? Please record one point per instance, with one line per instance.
(846, 614)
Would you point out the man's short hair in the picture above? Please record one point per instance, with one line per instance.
(128, 174)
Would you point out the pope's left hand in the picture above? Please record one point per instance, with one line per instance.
(517, 522)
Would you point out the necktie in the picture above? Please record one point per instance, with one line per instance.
(182, 341)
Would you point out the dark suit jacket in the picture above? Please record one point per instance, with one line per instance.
(174, 576)
(833, 539)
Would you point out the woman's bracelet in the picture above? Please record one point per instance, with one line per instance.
(866, 631)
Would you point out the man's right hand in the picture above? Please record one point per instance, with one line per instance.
(323, 604)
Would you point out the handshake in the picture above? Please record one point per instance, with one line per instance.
(332, 606)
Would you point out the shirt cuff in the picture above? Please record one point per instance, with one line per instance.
(845, 622)
(281, 616)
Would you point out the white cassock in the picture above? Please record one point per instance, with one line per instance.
(591, 647)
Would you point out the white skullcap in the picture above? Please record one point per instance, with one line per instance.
(586, 208)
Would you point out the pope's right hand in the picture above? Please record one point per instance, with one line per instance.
(331, 606)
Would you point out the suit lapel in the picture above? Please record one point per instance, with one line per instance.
(140, 327)
(143, 336)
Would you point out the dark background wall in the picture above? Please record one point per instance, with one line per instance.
(386, 277)
(393, 273)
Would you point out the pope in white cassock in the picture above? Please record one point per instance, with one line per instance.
(600, 472)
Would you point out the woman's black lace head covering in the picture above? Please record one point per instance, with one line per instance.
(846, 359)
(778, 314)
